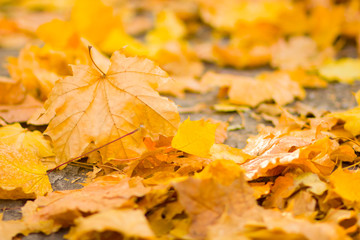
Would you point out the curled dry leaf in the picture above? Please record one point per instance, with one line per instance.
(22, 175)
(303, 149)
(92, 108)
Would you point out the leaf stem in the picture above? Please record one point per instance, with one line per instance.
(92, 60)
(83, 155)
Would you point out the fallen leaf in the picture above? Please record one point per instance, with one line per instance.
(251, 92)
(19, 138)
(60, 209)
(22, 175)
(345, 218)
(345, 70)
(298, 52)
(89, 24)
(324, 32)
(195, 137)
(168, 27)
(11, 92)
(20, 112)
(38, 69)
(222, 151)
(126, 223)
(346, 184)
(9, 229)
(229, 211)
(98, 118)
(351, 117)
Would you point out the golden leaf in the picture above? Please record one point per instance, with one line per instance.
(195, 137)
(346, 184)
(19, 137)
(22, 175)
(91, 109)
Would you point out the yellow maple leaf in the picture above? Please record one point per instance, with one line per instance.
(346, 184)
(22, 175)
(122, 223)
(19, 137)
(92, 108)
(195, 137)
(345, 70)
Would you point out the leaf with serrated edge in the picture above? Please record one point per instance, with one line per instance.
(91, 109)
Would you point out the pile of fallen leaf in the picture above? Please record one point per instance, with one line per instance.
(153, 176)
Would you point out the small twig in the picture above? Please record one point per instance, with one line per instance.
(92, 60)
(85, 154)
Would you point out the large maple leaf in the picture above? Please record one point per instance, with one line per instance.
(91, 108)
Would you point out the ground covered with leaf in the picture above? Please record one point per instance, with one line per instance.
(179, 119)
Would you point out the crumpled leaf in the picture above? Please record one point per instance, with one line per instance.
(126, 223)
(276, 152)
(22, 175)
(60, 209)
(345, 70)
(90, 109)
(11, 92)
(195, 137)
(19, 137)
